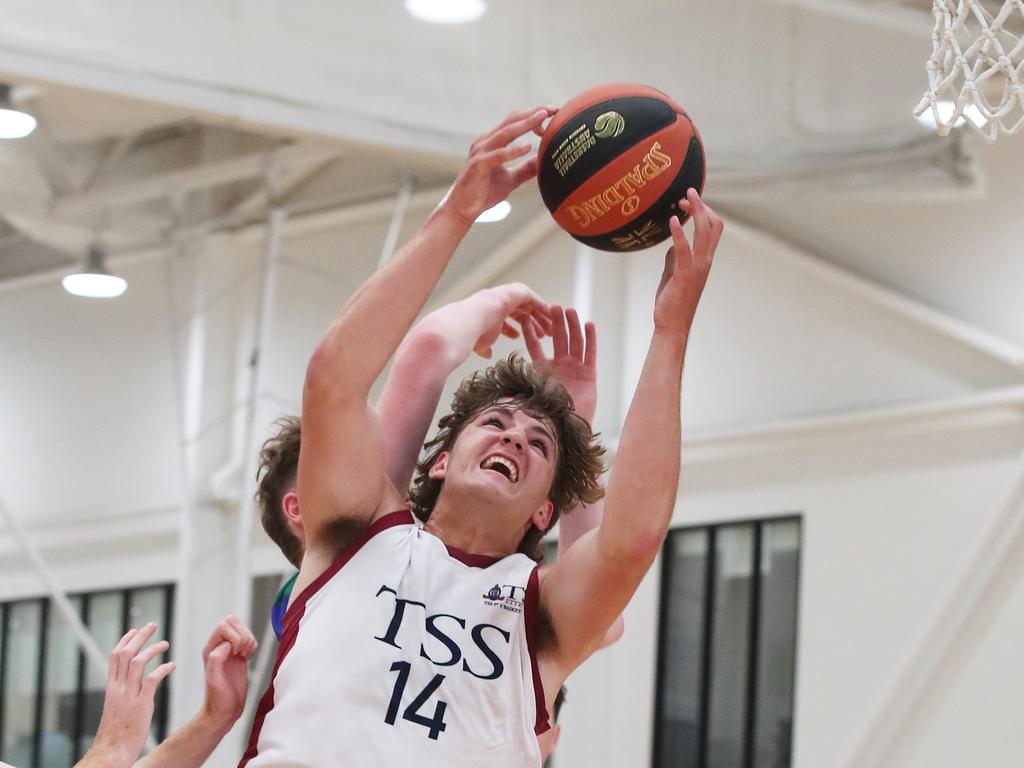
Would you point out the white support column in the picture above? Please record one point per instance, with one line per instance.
(264, 318)
(944, 629)
(583, 282)
(188, 394)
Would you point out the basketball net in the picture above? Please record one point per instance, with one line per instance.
(976, 70)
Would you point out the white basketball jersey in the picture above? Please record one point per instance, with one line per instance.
(406, 653)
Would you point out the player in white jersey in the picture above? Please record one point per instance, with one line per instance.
(437, 645)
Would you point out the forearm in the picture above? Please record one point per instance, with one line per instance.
(645, 476)
(190, 746)
(407, 404)
(370, 327)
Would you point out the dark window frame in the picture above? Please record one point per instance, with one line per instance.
(47, 618)
(707, 640)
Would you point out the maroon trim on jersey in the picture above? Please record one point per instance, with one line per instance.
(468, 558)
(298, 607)
(530, 617)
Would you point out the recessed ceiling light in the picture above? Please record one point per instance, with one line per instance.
(95, 282)
(495, 213)
(946, 109)
(446, 11)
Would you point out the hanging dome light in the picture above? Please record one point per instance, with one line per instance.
(14, 123)
(95, 282)
(446, 11)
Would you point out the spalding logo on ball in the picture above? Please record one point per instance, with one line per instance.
(614, 163)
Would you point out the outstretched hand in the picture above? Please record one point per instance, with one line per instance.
(225, 660)
(574, 364)
(686, 268)
(128, 699)
(495, 308)
(485, 180)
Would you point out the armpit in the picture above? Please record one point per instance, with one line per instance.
(544, 630)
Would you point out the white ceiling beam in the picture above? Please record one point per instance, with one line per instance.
(111, 159)
(940, 324)
(198, 177)
(236, 107)
(903, 172)
(889, 15)
(302, 219)
(288, 181)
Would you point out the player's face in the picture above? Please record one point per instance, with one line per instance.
(507, 454)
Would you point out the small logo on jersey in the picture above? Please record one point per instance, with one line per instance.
(506, 596)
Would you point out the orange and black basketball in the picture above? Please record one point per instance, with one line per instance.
(615, 161)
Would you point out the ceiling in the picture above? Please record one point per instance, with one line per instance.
(159, 122)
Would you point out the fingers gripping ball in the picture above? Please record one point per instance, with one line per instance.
(615, 161)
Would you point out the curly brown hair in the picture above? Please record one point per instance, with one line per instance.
(579, 454)
(278, 466)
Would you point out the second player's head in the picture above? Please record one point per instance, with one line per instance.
(275, 494)
(513, 440)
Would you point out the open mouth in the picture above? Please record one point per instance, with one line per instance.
(502, 466)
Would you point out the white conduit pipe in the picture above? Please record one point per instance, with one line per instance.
(944, 628)
(86, 641)
(247, 507)
(397, 218)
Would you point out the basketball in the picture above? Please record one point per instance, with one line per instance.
(614, 163)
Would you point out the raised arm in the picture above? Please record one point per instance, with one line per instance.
(341, 465)
(436, 346)
(591, 584)
(225, 660)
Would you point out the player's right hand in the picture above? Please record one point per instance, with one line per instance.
(485, 180)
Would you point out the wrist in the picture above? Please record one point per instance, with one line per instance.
(446, 212)
(672, 339)
(214, 721)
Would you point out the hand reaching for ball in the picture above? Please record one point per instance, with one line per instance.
(485, 180)
(686, 267)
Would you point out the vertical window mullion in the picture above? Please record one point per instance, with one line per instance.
(163, 692)
(44, 623)
(663, 650)
(711, 566)
(4, 610)
(753, 648)
(80, 693)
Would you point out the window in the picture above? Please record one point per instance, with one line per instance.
(50, 698)
(727, 646)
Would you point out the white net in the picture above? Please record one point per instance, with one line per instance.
(976, 70)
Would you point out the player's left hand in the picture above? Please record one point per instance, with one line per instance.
(495, 308)
(574, 363)
(225, 660)
(686, 268)
(485, 180)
